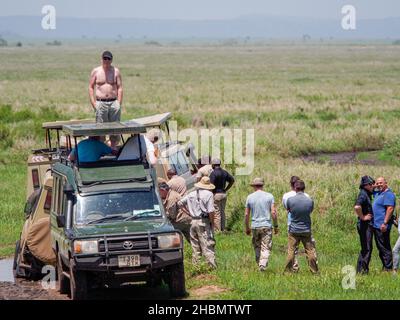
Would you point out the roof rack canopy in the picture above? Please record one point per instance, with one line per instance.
(59, 124)
(102, 129)
(152, 121)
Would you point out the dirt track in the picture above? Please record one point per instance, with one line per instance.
(32, 290)
(25, 290)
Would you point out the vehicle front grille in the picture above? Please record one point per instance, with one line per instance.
(141, 243)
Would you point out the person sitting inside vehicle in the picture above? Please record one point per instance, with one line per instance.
(90, 150)
(131, 149)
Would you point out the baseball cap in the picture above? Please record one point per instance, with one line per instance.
(107, 54)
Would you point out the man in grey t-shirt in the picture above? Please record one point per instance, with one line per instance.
(260, 206)
(300, 207)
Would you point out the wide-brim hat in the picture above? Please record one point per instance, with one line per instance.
(365, 180)
(257, 182)
(205, 183)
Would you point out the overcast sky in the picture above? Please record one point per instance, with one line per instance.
(202, 9)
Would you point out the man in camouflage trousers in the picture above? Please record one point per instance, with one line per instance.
(260, 206)
(179, 217)
(200, 204)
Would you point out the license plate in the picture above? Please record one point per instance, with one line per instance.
(129, 261)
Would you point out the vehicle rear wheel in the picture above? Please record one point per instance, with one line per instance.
(62, 280)
(78, 282)
(176, 281)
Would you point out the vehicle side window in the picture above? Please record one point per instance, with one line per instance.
(47, 202)
(60, 197)
(54, 201)
(57, 201)
(179, 163)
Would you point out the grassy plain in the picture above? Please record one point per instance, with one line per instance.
(300, 99)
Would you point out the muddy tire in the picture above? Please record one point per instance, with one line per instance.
(78, 282)
(62, 281)
(176, 281)
(17, 273)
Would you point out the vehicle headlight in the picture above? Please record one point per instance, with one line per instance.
(169, 241)
(86, 246)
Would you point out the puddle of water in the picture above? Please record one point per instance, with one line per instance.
(6, 272)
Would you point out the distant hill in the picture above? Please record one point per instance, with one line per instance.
(246, 26)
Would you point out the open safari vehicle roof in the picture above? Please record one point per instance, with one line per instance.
(59, 124)
(102, 129)
(152, 121)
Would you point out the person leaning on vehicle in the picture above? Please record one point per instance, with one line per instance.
(382, 209)
(200, 205)
(175, 182)
(106, 93)
(205, 168)
(179, 217)
(90, 150)
(260, 206)
(363, 210)
(300, 208)
(223, 181)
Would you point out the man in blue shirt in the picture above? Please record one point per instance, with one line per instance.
(90, 150)
(383, 208)
(260, 207)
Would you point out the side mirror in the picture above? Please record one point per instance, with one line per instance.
(61, 221)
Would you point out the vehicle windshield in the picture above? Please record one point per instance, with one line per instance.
(109, 207)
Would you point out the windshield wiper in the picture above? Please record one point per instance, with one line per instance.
(110, 217)
(144, 213)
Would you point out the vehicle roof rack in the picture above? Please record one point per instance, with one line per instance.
(102, 129)
(152, 121)
(59, 124)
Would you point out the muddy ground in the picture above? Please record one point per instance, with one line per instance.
(32, 290)
(21, 289)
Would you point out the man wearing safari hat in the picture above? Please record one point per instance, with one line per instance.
(200, 205)
(260, 206)
(106, 93)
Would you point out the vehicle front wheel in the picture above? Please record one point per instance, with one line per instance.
(62, 279)
(78, 282)
(176, 281)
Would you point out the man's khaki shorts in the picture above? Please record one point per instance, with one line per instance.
(108, 111)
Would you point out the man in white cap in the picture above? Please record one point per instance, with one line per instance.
(260, 206)
(200, 205)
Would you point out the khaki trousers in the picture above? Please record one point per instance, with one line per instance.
(262, 243)
(293, 241)
(108, 111)
(219, 206)
(202, 241)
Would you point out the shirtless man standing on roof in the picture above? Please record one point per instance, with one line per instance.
(107, 99)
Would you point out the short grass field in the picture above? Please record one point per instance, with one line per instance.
(301, 99)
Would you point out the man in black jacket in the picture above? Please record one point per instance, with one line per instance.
(363, 209)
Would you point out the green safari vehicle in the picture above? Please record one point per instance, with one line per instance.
(108, 225)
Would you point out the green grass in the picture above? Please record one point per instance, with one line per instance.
(299, 99)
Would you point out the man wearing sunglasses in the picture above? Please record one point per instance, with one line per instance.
(106, 93)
